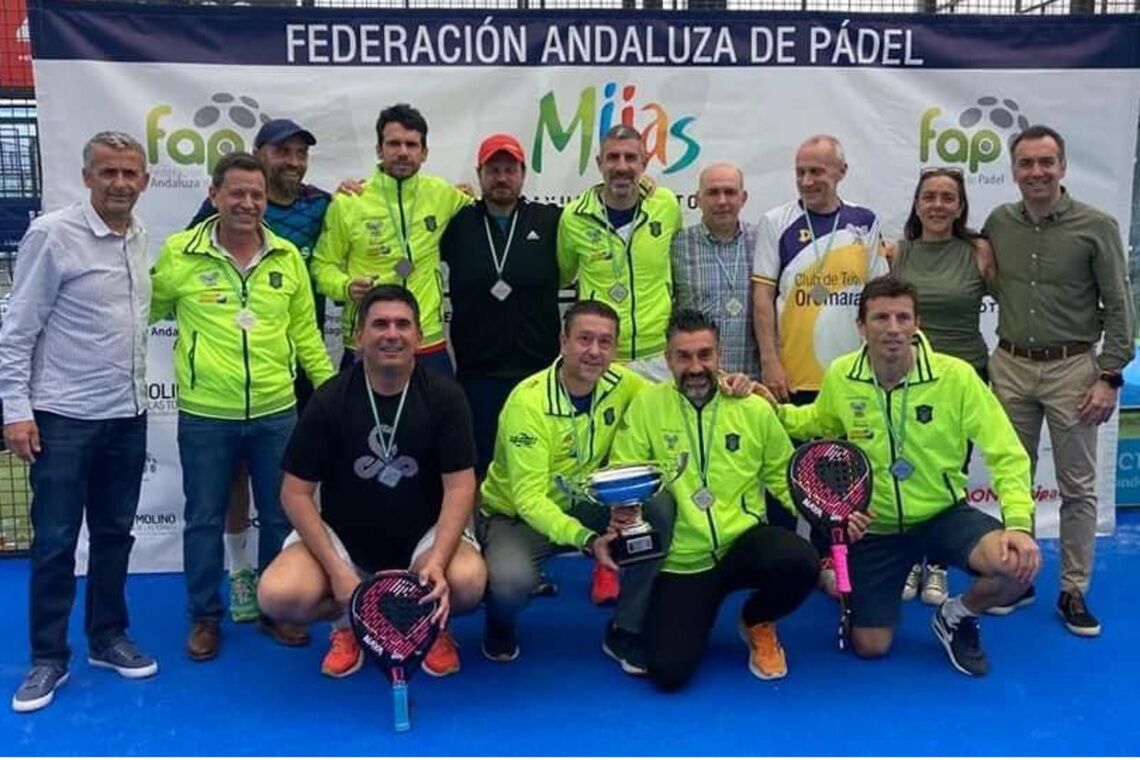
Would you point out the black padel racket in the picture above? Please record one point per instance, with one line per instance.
(395, 629)
(829, 481)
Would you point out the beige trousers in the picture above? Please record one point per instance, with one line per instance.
(1052, 390)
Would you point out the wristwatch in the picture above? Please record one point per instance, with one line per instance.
(1112, 379)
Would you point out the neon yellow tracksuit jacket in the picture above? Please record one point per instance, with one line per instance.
(947, 406)
(224, 371)
(747, 451)
(590, 251)
(538, 438)
(362, 237)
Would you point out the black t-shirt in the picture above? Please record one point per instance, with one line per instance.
(335, 444)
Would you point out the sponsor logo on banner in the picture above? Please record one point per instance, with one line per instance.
(977, 138)
(161, 398)
(184, 144)
(157, 522)
(668, 141)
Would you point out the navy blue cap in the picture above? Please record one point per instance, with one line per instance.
(277, 131)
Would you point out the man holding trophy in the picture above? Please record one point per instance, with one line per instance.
(736, 448)
(543, 493)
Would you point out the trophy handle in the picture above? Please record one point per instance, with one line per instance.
(678, 468)
(574, 489)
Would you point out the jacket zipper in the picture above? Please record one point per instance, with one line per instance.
(701, 460)
(891, 442)
(407, 252)
(193, 353)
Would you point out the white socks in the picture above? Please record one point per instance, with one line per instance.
(236, 550)
(954, 610)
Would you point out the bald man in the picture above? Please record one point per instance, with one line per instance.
(712, 262)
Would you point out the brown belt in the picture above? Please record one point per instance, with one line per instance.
(1047, 354)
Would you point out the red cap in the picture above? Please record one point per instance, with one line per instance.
(500, 143)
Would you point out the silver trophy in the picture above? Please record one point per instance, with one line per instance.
(623, 486)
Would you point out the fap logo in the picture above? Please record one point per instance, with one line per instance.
(224, 124)
(667, 141)
(977, 137)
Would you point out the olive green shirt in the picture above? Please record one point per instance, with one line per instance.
(1062, 279)
(950, 289)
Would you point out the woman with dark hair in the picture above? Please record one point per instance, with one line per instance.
(950, 266)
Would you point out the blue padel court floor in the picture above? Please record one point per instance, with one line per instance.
(1048, 693)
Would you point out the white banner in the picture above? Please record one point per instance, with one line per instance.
(892, 121)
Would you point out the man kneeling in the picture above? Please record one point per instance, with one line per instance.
(721, 540)
(390, 443)
(914, 412)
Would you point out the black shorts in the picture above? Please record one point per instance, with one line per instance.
(879, 563)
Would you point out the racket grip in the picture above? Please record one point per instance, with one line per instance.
(839, 557)
(400, 706)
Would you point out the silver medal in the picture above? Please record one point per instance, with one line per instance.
(404, 268)
(501, 289)
(902, 469)
(733, 307)
(245, 319)
(390, 476)
(704, 499)
(618, 292)
(819, 295)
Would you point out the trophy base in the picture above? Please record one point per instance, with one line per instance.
(633, 547)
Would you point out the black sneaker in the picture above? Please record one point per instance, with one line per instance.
(627, 648)
(122, 656)
(962, 643)
(1073, 610)
(500, 644)
(38, 688)
(1026, 599)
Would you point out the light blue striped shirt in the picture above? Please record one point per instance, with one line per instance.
(74, 339)
(713, 277)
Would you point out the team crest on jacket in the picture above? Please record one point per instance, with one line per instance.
(671, 440)
(429, 222)
(924, 413)
(608, 416)
(275, 280)
(732, 441)
(655, 229)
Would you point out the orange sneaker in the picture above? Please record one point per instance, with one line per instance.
(605, 586)
(766, 659)
(344, 656)
(443, 657)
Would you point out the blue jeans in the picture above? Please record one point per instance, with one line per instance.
(210, 450)
(97, 464)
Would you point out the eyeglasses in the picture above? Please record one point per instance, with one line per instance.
(939, 171)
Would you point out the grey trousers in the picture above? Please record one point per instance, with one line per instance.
(515, 552)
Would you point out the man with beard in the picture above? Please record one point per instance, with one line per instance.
(295, 211)
(503, 280)
(390, 233)
(722, 543)
(389, 442)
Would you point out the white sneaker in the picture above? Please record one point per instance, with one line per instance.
(910, 588)
(934, 586)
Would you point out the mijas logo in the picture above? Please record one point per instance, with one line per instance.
(667, 141)
(200, 137)
(977, 137)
